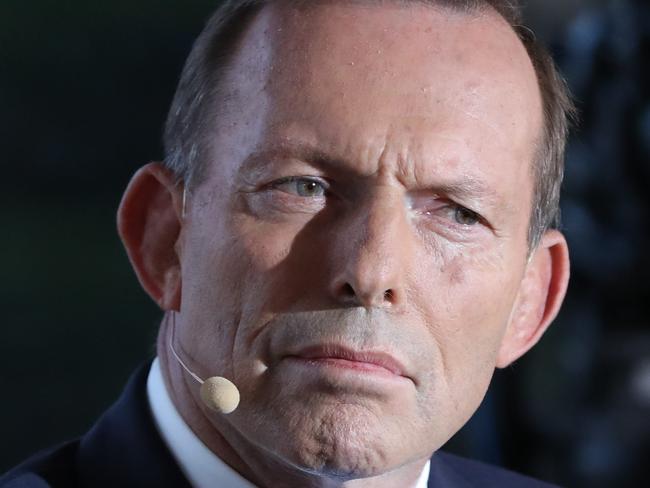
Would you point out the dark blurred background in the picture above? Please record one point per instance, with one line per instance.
(84, 90)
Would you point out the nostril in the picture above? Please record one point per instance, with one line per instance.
(348, 291)
(349, 295)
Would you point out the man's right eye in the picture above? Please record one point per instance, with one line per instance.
(302, 186)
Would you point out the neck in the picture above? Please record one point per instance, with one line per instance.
(257, 465)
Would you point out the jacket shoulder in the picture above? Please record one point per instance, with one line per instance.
(53, 468)
(26, 480)
(471, 473)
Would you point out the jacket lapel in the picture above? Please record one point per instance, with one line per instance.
(443, 475)
(124, 447)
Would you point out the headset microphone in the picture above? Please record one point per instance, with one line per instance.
(218, 394)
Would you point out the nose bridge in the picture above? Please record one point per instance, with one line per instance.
(379, 229)
(373, 272)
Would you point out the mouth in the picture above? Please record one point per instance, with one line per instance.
(337, 356)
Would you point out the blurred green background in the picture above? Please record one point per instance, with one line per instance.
(84, 90)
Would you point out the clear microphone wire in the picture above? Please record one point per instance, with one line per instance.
(180, 361)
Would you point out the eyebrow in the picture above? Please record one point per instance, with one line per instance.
(301, 151)
(467, 187)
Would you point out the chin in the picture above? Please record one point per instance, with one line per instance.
(342, 441)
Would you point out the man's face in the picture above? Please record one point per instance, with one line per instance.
(368, 193)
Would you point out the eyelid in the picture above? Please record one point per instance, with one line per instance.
(275, 184)
(420, 201)
(428, 202)
(480, 219)
(289, 179)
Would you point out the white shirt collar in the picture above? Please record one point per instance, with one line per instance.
(200, 465)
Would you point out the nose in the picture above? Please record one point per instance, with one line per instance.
(371, 256)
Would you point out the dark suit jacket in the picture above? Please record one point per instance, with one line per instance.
(124, 450)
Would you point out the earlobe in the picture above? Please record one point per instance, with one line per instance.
(540, 297)
(149, 222)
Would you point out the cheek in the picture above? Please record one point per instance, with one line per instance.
(234, 278)
(466, 304)
(263, 246)
(234, 257)
(471, 289)
(217, 273)
(283, 263)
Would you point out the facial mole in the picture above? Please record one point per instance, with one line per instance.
(455, 273)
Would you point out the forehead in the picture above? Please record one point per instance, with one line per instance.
(425, 82)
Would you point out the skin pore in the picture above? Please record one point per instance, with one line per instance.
(369, 189)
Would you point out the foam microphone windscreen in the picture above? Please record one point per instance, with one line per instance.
(219, 394)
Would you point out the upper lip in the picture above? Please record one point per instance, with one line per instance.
(336, 351)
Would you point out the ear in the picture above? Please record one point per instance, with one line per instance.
(149, 222)
(540, 296)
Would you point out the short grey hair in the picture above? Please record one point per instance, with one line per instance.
(193, 109)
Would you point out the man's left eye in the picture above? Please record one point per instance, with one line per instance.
(464, 216)
(302, 186)
(457, 213)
